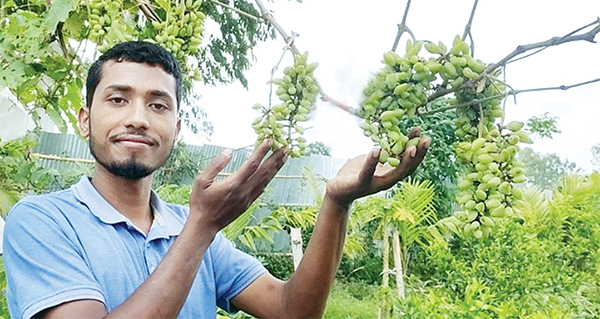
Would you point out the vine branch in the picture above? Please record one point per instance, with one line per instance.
(268, 17)
(468, 28)
(589, 36)
(561, 87)
(403, 28)
(511, 92)
(244, 13)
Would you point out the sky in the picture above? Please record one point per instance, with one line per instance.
(348, 40)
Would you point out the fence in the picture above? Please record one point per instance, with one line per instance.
(288, 188)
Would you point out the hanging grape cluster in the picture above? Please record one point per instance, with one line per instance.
(487, 149)
(398, 89)
(487, 190)
(104, 18)
(181, 31)
(297, 91)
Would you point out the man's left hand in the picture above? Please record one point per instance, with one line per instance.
(364, 175)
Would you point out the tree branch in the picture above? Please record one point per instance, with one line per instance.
(589, 36)
(511, 92)
(561, 87)
(148, 11)
(402, 27)
(468, 26)
(273, 73)
(258, 19)
(289, 40)
(451, 107)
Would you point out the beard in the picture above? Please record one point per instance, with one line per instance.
(129, 169)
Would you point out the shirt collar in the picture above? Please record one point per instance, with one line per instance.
(87, 194)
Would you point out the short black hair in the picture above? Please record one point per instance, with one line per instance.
(134, 51)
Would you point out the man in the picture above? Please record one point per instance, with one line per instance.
(109, 247)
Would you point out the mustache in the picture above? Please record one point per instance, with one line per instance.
(133, 136)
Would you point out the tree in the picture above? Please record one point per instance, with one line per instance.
(596, 156)
(405, 218)
(43, 44)
(545, 170)
(318, 148)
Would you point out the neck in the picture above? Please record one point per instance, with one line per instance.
(130, 197)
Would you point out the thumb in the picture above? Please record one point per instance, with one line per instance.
(213, 168)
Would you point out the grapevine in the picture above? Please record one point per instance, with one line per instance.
(407, 83)
(181, 32)
(297, 91)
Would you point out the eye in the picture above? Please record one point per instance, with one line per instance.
(158, 106)
(117, 100)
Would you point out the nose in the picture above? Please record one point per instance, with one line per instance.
(137, 116)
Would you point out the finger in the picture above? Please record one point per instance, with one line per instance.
(410, 161)
(266, 172)
(414, 132)
(207, 176)
(253, 162)
(366, 173)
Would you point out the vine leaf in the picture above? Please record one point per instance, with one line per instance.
(59, 12)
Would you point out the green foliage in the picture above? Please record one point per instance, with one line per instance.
(543, 126)
(41, 50)
(410, 211)
(3, 306)
(19, 173)
(440, 165)
(318, 148)
(596, 156)
(279, 265)
(543, 264)
(545, 170)
(181, 167)
(351, 300)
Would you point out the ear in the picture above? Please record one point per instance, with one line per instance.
(83, 121)
(178, 129)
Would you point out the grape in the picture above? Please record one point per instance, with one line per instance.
(405, 83)
(297, 91)
(181, 31)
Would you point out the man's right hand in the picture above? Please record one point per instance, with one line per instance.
(214, 204)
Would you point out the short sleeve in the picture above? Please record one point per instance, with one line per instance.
(234, 271)
(44, 263)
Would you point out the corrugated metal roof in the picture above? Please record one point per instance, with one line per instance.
(285, 189)
(70, 152)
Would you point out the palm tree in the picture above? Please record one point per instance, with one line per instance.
(406, 217)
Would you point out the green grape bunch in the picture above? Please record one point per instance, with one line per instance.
(397, 90)
(298, 92)
(181, 31)
(104, 17)
(487, 191)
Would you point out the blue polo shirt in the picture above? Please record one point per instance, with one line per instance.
(73, 245)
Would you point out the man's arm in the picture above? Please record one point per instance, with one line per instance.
(304, 295)
(213, 205)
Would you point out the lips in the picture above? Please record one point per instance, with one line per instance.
(134, 139)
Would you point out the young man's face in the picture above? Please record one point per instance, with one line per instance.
(132, 122)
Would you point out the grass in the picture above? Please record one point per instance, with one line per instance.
(352, 300)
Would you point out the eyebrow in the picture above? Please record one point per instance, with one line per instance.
(154, 93)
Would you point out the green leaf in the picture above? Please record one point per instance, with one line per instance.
(164, 4)
(59, 12)
(56, 118)
(24, 173)
(7, 200)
